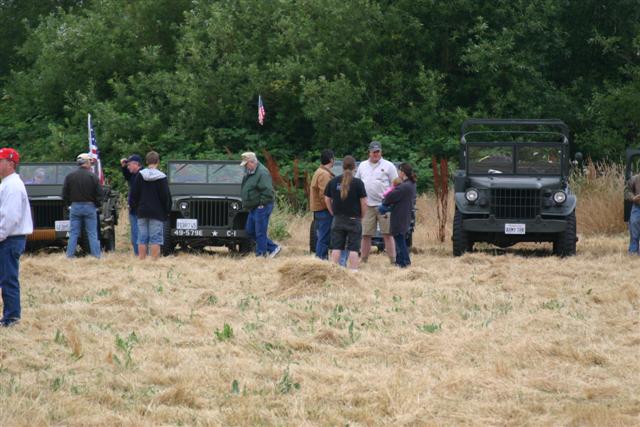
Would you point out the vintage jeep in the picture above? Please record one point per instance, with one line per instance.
(513, 185)
(206, 206)
(44, 182)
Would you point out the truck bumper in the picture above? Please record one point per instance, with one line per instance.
(47, 234)
(209, 233)
(493, 225)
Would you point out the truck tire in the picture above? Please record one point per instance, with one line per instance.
(169, 245)
(461, 241)
(246, 247)
(565, 243)
(313, 237)
(109, 244)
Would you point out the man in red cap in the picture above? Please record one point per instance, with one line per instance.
(15, 224)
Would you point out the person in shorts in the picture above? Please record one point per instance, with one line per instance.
(378, 175)
(151, 199)
(346, 199)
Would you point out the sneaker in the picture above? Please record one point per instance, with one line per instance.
(275, 252)
(8, 322)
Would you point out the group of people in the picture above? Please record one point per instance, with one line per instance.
(149, 202)
(348, 209)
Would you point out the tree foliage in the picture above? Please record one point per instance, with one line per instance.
(182, 77)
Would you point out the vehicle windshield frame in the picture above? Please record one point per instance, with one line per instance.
(516, 154)
(59, 171)
(209, 171)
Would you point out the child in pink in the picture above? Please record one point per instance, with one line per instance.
(383, 209)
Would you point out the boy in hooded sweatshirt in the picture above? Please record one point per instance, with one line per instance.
(151, 199)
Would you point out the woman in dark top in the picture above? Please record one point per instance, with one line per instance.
(346, 200)
(402, 198)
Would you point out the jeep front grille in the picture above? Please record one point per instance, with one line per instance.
(45, 213)
(511, 203)
(210, 213)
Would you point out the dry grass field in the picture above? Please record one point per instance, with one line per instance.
(497, 337)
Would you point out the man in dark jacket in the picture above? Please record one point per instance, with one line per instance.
(151, 199)
(130, 168)
(82, 190)
(257, 197)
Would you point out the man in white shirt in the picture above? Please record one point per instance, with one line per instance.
(15, 224)
(378, 175)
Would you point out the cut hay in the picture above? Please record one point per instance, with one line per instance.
(311, 277)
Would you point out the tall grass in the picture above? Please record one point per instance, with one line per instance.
(599, 188)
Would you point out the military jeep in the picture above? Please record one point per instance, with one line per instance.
(44, 182)
(513, 185)
(206, 206)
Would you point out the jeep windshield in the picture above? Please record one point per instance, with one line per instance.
(490, 159)
(205, 173)
(45, 174)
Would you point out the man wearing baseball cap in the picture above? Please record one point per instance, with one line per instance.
(15, 224)
(377, 175)
(130, 168)
(82, 190)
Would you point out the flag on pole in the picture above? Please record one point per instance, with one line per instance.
(261, 112)
(93, 151)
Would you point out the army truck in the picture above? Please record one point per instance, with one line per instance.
(513, 185)
(44, 182)
(206, 206)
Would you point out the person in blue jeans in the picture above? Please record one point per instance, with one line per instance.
(257, 197)
(402, 199)
(321, 215)
(83, 192)
(15, 224)
(130, 168)
(632, 194)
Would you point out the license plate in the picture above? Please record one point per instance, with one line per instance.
(188, 233)
(62, 226)
(514, 229)
(186, 224)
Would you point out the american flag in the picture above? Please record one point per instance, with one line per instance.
(93, 151)
(261, 112)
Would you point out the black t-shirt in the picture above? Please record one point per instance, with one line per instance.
(349, 207)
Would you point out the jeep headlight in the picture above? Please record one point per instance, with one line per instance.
(559, 197)
(235, 206)
(184, 206)
(471, 195)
